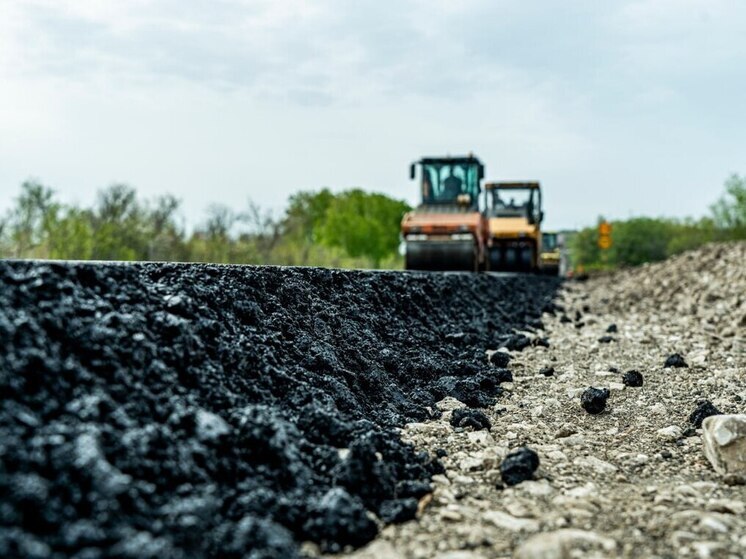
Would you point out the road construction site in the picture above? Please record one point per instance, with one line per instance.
(164, 410)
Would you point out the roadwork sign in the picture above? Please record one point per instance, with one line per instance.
(604, 235)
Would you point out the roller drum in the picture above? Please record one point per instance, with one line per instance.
(441, 256)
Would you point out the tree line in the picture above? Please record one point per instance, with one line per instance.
(644, 239)
(354, 229)
(350, 229)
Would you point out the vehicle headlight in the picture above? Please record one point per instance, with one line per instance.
(461, 236)
(417, 237)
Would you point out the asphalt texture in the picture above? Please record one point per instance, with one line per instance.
(165, 410)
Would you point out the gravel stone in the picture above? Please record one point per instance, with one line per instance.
(470, 418)
(519, 465)
(632, 378)
(500, 359)
(593, 400)
(704, 409)
(675, 360)
(724, 440)
(547, 371)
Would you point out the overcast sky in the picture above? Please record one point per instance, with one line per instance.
(618, 108)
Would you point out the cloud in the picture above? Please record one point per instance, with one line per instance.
(574, 93)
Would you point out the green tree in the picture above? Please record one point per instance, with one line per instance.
(363, 224)
(729, 212)
(120, 231)
(28, 222)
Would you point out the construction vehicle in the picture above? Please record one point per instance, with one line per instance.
(550, 255)
(446, 231)
(513, 213)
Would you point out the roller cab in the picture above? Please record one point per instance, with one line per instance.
(447, 230)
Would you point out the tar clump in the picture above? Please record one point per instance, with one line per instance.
(675, 360)
(593, 400)
(606, 339)
(516, 342)
(519, 465)
(547, 371)
(465, 417)
(500, 359)
(704, 409)
(612, 329)
(170, 410)
(632, 378)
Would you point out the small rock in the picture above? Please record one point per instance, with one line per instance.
(450, 515)
(547, 371)
(632, 378)
(481, 438)
(593, 400)
(519, 465)
(506, 521)
(516, 342)
(376, 549)
(473, 464)
(539, 488)
(541, 342)
(565, 431)
(612, 329)
(209, 426)
(500, 359)
(596, 464)
(727, 506)
(713, 524)
(724, 439)
(670, 433)
(658, 408)
(563, 544)
(675, 360)
(606, 339)
(704, 410)
(466, 417)
(396, 511)
(458, 554)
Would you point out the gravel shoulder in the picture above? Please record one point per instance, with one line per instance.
(630, 482)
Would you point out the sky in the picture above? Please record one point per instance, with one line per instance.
(619, 108)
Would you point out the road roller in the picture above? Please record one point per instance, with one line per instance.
(446, 232)
(514, 215)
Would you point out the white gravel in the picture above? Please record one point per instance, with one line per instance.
(630, 482)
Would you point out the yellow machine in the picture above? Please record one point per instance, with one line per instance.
(514, 215)
(549, 257)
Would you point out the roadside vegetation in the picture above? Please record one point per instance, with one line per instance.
(643, 239)
(351, 229)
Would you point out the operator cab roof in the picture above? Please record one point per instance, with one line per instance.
(457, 160)
(513, 185)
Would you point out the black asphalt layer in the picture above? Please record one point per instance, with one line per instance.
(163, 410)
